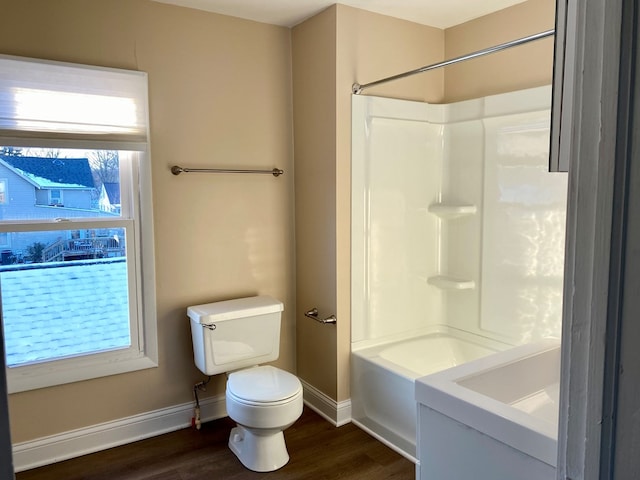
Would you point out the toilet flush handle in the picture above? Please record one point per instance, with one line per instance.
(313, 314)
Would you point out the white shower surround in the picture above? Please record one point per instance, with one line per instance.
(456, 222)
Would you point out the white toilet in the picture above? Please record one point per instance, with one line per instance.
(234, 337)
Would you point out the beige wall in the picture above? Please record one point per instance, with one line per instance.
(314, 92)
(331, 51)
(372, 46)
(220, 96)
(526, 66)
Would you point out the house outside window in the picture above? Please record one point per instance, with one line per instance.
(77, 281)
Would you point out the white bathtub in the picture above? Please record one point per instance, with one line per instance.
(383, 380)
(500, 413)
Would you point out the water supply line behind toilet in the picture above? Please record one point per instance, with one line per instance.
(200, 386)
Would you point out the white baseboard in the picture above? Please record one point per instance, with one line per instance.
(63, 446)
(75, 443)
(338, 413)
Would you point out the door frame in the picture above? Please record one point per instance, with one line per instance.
(598, 130)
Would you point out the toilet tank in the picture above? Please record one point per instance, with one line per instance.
(234, 334)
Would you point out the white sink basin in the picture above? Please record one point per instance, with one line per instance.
(510, 396)
(530, 384)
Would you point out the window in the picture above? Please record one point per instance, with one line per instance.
(55, 196)
(3, 191)
(77, 282)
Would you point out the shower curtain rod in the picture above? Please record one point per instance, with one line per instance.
(357, 89)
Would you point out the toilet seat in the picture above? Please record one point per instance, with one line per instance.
(264, 398)
(263, 386)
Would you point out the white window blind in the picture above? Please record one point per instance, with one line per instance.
(44, 103)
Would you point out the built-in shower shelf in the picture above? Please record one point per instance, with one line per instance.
(451, 283)
(448, 211)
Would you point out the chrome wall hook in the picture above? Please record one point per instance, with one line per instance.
(313, 314)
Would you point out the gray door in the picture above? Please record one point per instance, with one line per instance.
(621, 440)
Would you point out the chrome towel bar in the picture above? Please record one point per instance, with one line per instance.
(177, 170)
(313, 314)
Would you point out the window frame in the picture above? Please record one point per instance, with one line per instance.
(136, 214)
(60, 197)
(139, 246)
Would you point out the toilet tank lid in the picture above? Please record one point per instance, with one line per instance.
(236, 308)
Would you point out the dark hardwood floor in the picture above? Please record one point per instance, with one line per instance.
(318, 451)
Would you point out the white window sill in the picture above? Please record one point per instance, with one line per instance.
(31, 377)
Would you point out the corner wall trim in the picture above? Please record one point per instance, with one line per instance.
(338, 413)
(75, 443)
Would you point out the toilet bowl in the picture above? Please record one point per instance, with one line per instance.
(234, 336)
(263, 401)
